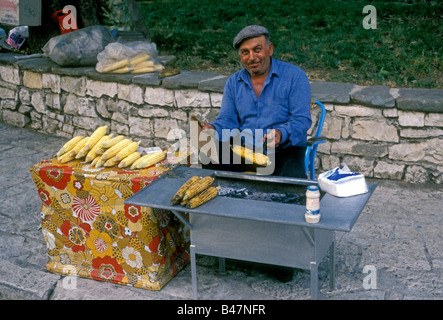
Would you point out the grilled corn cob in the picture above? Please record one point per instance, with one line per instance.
(202, 197)
(257, 158)
(153, 159)
(198, 187)
(181, 191)
(95, 137)
(130, 159)
(68, 146)
(126, 151)
(92, 154)
(112, 151)
(112, 142)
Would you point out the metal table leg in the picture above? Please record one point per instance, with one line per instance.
(332, 265)
(314, 280)
(193, 273)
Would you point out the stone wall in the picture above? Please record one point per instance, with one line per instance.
(383, 132)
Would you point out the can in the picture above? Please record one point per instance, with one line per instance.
(312, 214)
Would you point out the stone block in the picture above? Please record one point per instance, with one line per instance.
(119, 128)
(151, 112)
(163, 126)
(100, 88)
(434, 120)
(102, 107)
(130, 92)
(416, 174)
(87, 124)
(38, 103)
(140, 127)
(424, 100)
(329, 162)
(374, 130)
(357, 111)
(187, 80)
(40, 65)
(119, 117)
(147, 79)
(332, 127)
(80, 106)
(51, 81)
(53, 100)
(159, 97)
(361, 165)
(378, 96)
(430, 150)
(8, 104)
(6, 93)
(75, 85)
(10, 74)
(15, 118)
(333, 92)
(24, 96)
(216, 84)
(124, 78)
(216, 99)
(390, 113)
(359, 148)
(192, 98)
(411, 118)
(32, 80)
(385, 170)
(421, 133)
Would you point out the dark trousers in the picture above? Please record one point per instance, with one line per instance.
(289, 162)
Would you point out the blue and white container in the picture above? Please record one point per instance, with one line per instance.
(312, 214)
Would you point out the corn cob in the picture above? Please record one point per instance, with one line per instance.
(100, 162)
(95, 137)
(122, 70)
(66, 157)
(112, 142)
(153, 159)
(143, 70)
(129, 160)
(137, 60)
(181, 191)
(92, 154)
(111, 152)
(77, 147)
(198, 187)
(117, 65)
(96, 159)
(202, 197)
(257, 158)
(126, 151)
(68, 146)
(144, 64)
(110, 163)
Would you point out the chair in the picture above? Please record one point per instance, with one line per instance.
(315, 139)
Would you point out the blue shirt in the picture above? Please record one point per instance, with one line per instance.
(284, 104)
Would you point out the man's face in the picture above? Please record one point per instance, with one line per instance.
(256, 56)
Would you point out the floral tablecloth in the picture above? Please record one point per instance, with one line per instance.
(90, 232)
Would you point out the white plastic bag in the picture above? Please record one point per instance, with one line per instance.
(134, 57)
(341, 182)
(78, 48)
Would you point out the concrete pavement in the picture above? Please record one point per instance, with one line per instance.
(394, 251)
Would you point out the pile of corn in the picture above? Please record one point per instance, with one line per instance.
(105, 150)
(195, 192)
(140, 64)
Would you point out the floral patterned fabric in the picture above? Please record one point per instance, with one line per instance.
(90, 232)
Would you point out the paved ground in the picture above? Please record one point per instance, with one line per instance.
(398, 239)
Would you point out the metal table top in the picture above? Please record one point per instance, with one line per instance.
(337, 214)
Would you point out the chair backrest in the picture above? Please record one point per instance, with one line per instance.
(318, 114)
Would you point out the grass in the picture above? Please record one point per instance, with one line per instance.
(325, 38)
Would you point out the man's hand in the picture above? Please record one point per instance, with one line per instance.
(274, 138)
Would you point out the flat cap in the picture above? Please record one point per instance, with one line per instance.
(249, 32)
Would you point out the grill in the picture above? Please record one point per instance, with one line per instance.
(257, 218)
